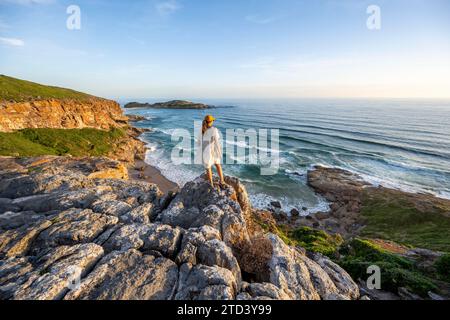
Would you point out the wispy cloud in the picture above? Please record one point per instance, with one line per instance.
(259, 19)
(12, 42)
(167, 8)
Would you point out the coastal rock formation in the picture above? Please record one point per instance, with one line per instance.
(61, 114)
(175, 104)
(349, 195)
(67, 234)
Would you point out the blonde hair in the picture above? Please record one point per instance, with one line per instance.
(204, 127)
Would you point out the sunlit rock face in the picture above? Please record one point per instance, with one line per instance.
(61, 114)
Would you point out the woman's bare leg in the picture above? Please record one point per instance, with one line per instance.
(210, 176)
(220, 172)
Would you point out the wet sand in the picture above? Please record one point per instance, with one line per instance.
(145, 172)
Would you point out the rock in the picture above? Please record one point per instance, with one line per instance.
(14, 273)
(405, 294)
(135, 118)
(126, 240)
(140, 214)
(120, 172)
(243, 296)
(204, 246)
(265, 290)
(53, 280)
(205, 283)
(197, 204)
(152, 237)
(17, 242)
(434, 296)
(126, 237)
(112, 207)
(295, 213)
(6, 205)
(344, 283)
(217, 253)
(276, 204)
(304, 279)
(175, 104)
(64, 114)
(321, 215)
(164, 239)
(374, 294)
(289, 273)
(72, 227)
(128, 275)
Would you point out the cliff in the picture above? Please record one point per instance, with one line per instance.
(61, 114)
(44, 110)
(68, 232)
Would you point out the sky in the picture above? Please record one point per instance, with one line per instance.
(230, 48)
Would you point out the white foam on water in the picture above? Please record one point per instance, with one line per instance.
(177, 174)
(444, 195)
(262, 201)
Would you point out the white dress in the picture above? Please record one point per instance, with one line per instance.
(211, 148)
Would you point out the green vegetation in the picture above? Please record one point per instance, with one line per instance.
(316, 240)
(278, 230)
(12, 89)
(404, 220)
(307, 238)
(75, 142)
(396, 271)
(443, 267)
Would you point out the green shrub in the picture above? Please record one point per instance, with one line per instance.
(316, 240)
(443, 267)
(396, 271)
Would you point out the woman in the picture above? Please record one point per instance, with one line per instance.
(212, 149)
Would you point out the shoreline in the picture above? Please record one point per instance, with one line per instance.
(142, 171)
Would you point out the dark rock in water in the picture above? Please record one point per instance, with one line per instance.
(175, 104)
(295, 213)
(78, 234)
(304, 208)
(276, 204)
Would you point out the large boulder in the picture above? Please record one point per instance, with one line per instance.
(201, 282)
(302, 278)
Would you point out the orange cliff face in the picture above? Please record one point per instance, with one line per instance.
(61, 114)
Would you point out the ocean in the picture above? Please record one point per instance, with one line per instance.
(395, 143)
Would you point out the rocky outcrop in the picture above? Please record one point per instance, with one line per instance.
(61, 114)
(67, 234)
(175, 104)
(348, 193)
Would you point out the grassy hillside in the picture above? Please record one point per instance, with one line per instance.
(405, 220)
(76, 142)
(12, 89)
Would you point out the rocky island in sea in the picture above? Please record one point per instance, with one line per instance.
(79, 205)
(175, 104)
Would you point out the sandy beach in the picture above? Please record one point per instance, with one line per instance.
(145, 172)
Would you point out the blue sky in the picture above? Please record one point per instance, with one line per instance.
(230, 48)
